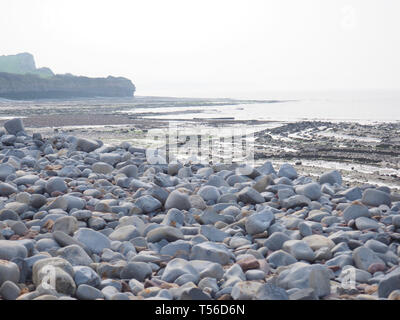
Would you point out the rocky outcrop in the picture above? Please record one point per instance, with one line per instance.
(29, 86)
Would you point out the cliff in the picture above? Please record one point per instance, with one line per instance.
(21, 80)
(23, 63)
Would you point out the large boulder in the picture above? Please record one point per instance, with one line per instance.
(374, 198)
(331, 177)
(211, 251)
(250, 195)
(14, 126)
(310, 190)
(287, 170)
(178, 200)
(259, 222)
(87, 145)
(12, 249)
(94, 240)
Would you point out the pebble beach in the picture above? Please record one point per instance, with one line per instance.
(85, 220)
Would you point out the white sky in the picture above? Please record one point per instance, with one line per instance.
(224, 48)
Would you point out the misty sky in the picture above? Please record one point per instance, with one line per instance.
(220, 48)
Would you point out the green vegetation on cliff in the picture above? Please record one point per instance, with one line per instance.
(23, 63)
(20, 79)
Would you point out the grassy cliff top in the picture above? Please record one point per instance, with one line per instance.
(23, 63)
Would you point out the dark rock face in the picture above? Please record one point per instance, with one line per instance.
(29, 86)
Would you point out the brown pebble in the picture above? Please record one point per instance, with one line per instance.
(375, 267)
(248, 264)
(371, 289)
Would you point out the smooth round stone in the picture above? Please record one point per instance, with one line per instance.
(9, 271)
(174, 217)
(96, 223)
(310, 190)
(7, 189)
(14, 126)
(168, 233)
(288, 171)
(388, 284)
(27, 180)
(259, 222)
(213, 234)
(176, 268)
(262, 183)
(280, 258)
(208, 269)
(250, 195)
(299, 249)
(23, 197)
(173, 168)
(37, 200)
(331, 177)
(124, 233)
(210, 251)
(186, 278)
(87, 292)
(178, 200)
(374, 198)
(355, 211)
(102, 168)
(82, 214)
(19, 208)
(66, 224)
(9, 291)
(363, 223)
(6, 214)
(255, 275)
(136, 270)
(110, 158)
(86, 275)
(75, 255)
(56, 184)
(46, 245)
(296, 201)
(74, 202)
(364, 257)
(185, 172)
(135, 286)
(285, 194)
(376, 246)
(209, 193)
(276, 240)
(12, 249)
(148, 204)
(86, 145)
(131, 171)
(5, 171)
(92, 239)
(317, 242)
